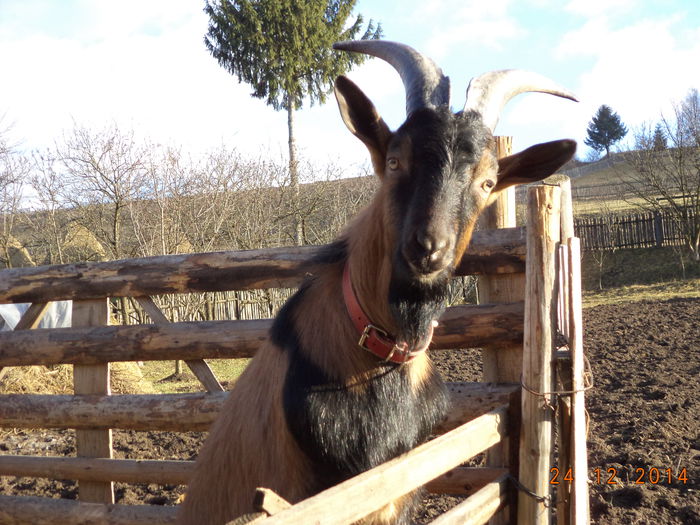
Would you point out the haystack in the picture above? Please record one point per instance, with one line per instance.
(82, 245)
(18, 255)
(125, 378)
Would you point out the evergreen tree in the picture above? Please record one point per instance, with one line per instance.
(604, 130)
(659, 138)
(283, 49)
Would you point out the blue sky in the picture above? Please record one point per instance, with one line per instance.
(143, 65)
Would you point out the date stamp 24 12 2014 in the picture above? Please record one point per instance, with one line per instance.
(611, 476)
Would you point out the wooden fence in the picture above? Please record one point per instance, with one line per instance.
(484, 416)
(637, 230)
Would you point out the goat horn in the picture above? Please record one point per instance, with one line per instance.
(488, 93)
(423, 81)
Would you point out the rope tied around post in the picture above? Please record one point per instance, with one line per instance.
(588, 384)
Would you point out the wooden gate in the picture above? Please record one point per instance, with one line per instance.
(485, 417)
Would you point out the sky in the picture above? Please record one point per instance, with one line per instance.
(142, 65)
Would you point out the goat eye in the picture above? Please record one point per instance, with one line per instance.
(393, 163)
(487, 185)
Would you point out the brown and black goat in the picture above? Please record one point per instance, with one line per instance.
(315, 406)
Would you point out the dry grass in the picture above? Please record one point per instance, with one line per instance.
(161, 374)
(126, 378)
(607, 206)
(643, 292)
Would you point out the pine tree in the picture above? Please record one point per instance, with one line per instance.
(604, 130)
(659, 138)
(283, 49)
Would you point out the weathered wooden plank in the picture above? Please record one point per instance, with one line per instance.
(98, 469)
(171, 412)
(375, 488)
(461, 481)
(540, 308)
(191, 340)
(269, 501)
(199, 367)
(464, 481)
(480, 507)
(490, 252)
(32, 317)
(30, 510)
(93, 379)
(471, 400)
(460, 327)
(192, 412)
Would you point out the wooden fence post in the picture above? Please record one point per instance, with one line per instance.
(540, 307)
(93, 379)
(658, 229)
(502, 363)
(564, 365)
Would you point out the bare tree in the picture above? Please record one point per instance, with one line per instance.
(105, 171)
(668, 180)
(607, 240)
(14, 168)
(48, 217)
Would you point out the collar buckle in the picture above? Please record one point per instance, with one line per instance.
(366, 335)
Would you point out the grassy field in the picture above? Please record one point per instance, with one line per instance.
(610, 178)
(161, 374)
(636, 266)
(643, 292)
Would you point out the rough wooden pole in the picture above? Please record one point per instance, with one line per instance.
(580, 513)
(501, 363)
(93, 379)
(540, 307)
(563, 371)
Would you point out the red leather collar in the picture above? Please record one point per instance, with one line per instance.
(372, 338)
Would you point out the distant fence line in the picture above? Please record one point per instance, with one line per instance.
(637, 230)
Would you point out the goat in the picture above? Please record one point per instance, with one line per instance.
(315, 406)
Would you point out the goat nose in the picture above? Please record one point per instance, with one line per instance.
(431, 244)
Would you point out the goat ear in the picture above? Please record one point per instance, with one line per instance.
(363, 120)
(535, 163)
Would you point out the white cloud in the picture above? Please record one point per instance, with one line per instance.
(152, 73)
(474, 22)
(598, 7)
(638, 69)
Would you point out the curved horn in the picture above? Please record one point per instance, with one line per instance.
(423, 81)
(489, 92)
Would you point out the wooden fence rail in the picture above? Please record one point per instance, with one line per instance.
(464, 326)
(491, 251)
(187, 412)
(637, 230)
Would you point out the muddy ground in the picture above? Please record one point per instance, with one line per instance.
(644, 421)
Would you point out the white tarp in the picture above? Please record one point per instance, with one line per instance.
(57, 315)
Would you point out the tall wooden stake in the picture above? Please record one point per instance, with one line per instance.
(93, 379)
(540, 307)
(580, 512)
(501, 364)
(564, 363)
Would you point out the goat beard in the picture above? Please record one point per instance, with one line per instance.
(415, 305)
